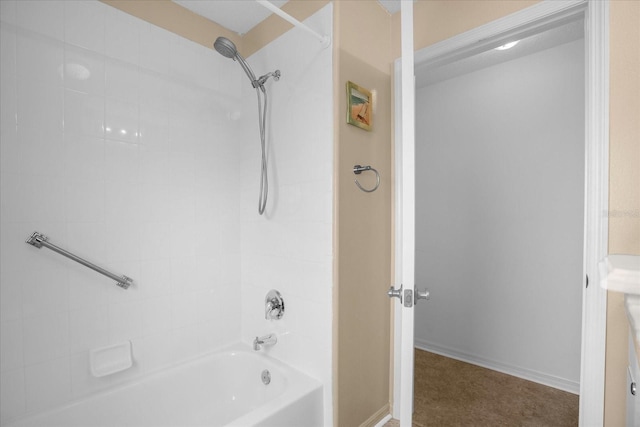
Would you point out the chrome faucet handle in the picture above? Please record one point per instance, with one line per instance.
(273, 305)
(268, 306)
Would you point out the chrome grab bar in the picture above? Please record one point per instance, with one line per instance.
(39, 240)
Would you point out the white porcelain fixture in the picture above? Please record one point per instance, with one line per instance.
(632, 305)
(222, 389)
(621, 273)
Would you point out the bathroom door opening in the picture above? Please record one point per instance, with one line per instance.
(530, 21)
(500, 207)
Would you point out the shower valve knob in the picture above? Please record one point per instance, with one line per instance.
(274, 305)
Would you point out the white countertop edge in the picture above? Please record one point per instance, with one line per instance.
(620, 273)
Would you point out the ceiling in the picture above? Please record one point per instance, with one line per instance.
(240, 16)
(561, 33)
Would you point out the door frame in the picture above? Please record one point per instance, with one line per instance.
(594, 300)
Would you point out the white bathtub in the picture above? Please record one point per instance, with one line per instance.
(221, 389)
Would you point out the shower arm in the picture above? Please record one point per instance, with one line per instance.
(262, 79)
(256, 82)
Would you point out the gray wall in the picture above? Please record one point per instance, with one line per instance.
(499, 215)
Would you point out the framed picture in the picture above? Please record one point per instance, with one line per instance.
(359, 106)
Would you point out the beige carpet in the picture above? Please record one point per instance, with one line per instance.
(453, 393)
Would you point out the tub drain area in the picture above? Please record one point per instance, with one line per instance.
(266, 377)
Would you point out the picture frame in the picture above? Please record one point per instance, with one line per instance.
(359, 106)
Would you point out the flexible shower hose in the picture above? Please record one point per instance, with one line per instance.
(262, 118)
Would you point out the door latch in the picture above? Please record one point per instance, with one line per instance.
(408, 298)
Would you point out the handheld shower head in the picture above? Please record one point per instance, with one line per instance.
(225, 47)
(228, 49)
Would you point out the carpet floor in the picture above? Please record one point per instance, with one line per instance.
(448, 392)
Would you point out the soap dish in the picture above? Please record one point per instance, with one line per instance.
(111, 359)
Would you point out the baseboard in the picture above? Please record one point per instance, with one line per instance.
(527, 374)
(383, 421)
(378, 419)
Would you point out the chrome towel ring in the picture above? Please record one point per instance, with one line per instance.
(357, 169)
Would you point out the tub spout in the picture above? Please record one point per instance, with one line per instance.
(270, 339)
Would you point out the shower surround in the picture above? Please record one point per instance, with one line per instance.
(137, 149)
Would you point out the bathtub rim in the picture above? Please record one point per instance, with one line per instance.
(300, 385)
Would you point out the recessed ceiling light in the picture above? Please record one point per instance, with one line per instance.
(508, 45)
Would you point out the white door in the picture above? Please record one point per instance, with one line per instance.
(405, 229)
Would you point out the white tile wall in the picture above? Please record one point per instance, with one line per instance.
(290, 247)
(139, 150)
(116, 143)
